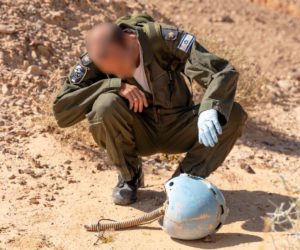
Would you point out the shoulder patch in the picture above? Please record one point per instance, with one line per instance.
(169, 33)
(77, 74)
(85, 59)
(185, 42)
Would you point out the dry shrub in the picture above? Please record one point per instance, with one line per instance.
(286, 217)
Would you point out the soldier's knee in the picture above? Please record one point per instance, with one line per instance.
(237, 120)
(105, 108)
(238, 115)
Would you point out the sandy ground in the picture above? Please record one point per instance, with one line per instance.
(51, 185)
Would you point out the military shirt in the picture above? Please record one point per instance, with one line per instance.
(169, 89)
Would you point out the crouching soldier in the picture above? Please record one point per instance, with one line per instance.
(131, 85)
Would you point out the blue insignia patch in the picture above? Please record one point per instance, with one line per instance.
(186, 42)
(78, 74)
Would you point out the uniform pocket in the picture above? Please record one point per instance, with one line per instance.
(160, 81)
(161, 90)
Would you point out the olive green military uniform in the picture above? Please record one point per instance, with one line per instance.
(169, 123)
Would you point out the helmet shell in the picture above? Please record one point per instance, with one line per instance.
(196, 208)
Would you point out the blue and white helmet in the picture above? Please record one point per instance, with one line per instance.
(196, 208)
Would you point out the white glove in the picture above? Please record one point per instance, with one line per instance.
(209, 126)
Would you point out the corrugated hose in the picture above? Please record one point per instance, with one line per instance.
(117, 225)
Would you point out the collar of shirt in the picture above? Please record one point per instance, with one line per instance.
(140, 74)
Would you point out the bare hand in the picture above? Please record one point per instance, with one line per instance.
(137, 99)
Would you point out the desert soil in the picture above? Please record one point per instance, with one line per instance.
(53, 181)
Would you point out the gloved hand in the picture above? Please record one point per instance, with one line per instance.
(209, 127)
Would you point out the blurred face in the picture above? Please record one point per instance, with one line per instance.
(116, 59)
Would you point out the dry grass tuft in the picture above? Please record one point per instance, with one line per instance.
(286, 218)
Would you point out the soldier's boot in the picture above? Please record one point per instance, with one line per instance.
(125, 192)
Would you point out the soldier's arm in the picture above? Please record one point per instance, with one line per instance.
(215, 74)
(79, 91)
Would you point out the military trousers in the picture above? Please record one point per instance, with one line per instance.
(127, 135)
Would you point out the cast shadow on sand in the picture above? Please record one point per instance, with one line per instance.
(221, 240)
(260, 135)
(247, 207)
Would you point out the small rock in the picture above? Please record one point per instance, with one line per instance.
(222, 19)
(158, 165)
(21, 197)
(44, 51)
(155, 171)
(99, 166)
(226, 19)
(4, 89)
(284, 84)
(38, 174)
(35, 70)
(168, 167)
(12, 177)
(41, 185)
(34, 201)
(55, 17)
(67, 162)
(158, 159)
(50, 199)
(34, 174)
(28, 171)
(247, 168)
(36, 163)
(22, 182)
(6, 29)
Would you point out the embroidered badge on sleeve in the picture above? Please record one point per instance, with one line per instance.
(169, 33)
(186, 42)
